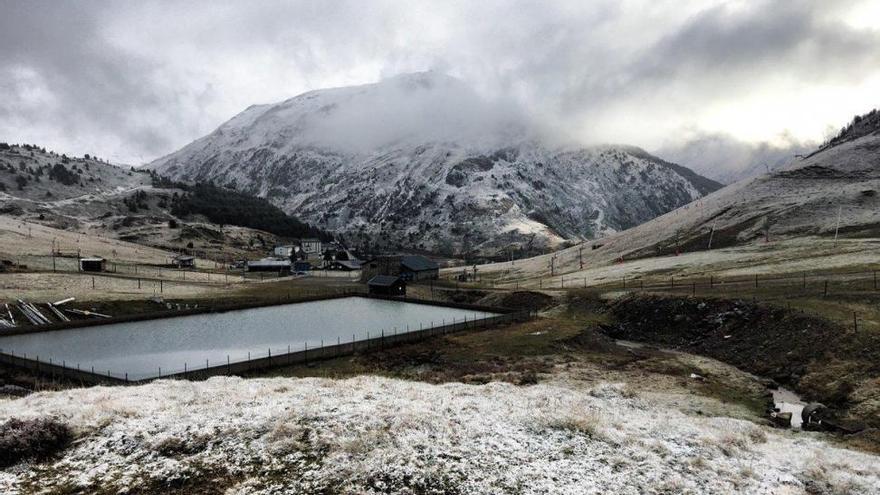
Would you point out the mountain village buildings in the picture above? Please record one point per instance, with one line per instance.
(408, 267)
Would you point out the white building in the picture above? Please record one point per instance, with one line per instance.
(312, 247)
(284, 251)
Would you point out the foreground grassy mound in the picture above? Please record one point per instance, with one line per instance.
(377, 435)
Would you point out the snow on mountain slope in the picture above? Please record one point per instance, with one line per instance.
(421, 161)
(834, 190)
(90, 196)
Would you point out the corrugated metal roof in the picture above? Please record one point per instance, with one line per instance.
(269, 262)
(418, 263)
(383, 280)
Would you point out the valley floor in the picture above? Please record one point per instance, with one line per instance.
(550, 405)
(546, 406)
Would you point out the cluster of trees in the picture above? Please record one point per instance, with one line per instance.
(33, 147)
(137, 201)
(225, 206)
(60, 173)
(861, 125)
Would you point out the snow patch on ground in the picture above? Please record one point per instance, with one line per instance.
(377, 435)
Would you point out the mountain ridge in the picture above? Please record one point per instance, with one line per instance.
(421, 161)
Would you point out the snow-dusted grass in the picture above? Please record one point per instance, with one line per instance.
(376, 435)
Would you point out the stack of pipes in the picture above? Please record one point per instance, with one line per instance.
(54, 307)
(61, 316)
(10, 322)
(32, 313)
(84, 312)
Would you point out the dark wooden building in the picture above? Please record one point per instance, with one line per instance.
(418, 268)
(92, 264)
(344, 265)
(387, 285)
(410, 267)
(184, 261)
(281, 267)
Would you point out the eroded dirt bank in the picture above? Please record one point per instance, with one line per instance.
(820, 359)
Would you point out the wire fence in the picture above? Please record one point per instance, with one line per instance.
(218, 274)
(822, 282)
(783, 290)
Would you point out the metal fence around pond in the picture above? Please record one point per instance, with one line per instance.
(366, 341)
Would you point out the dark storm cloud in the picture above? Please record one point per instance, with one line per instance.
(134, 80)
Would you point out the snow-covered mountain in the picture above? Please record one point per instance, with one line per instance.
(834, 191)
(422, 161)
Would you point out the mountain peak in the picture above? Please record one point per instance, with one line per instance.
(422, 107)
(429, 79)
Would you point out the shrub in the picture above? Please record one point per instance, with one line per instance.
(585, 423)
(59, 173)
(35, 439)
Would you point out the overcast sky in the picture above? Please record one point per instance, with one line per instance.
(133, 80)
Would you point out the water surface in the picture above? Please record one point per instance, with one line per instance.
(141, 348)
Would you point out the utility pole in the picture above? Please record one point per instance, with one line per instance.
(837, 228)
(712, 233)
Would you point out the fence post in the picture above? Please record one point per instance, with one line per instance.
(694, 289)
(805, 280)
(826, 289)
(855, 323)
(875, 279)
